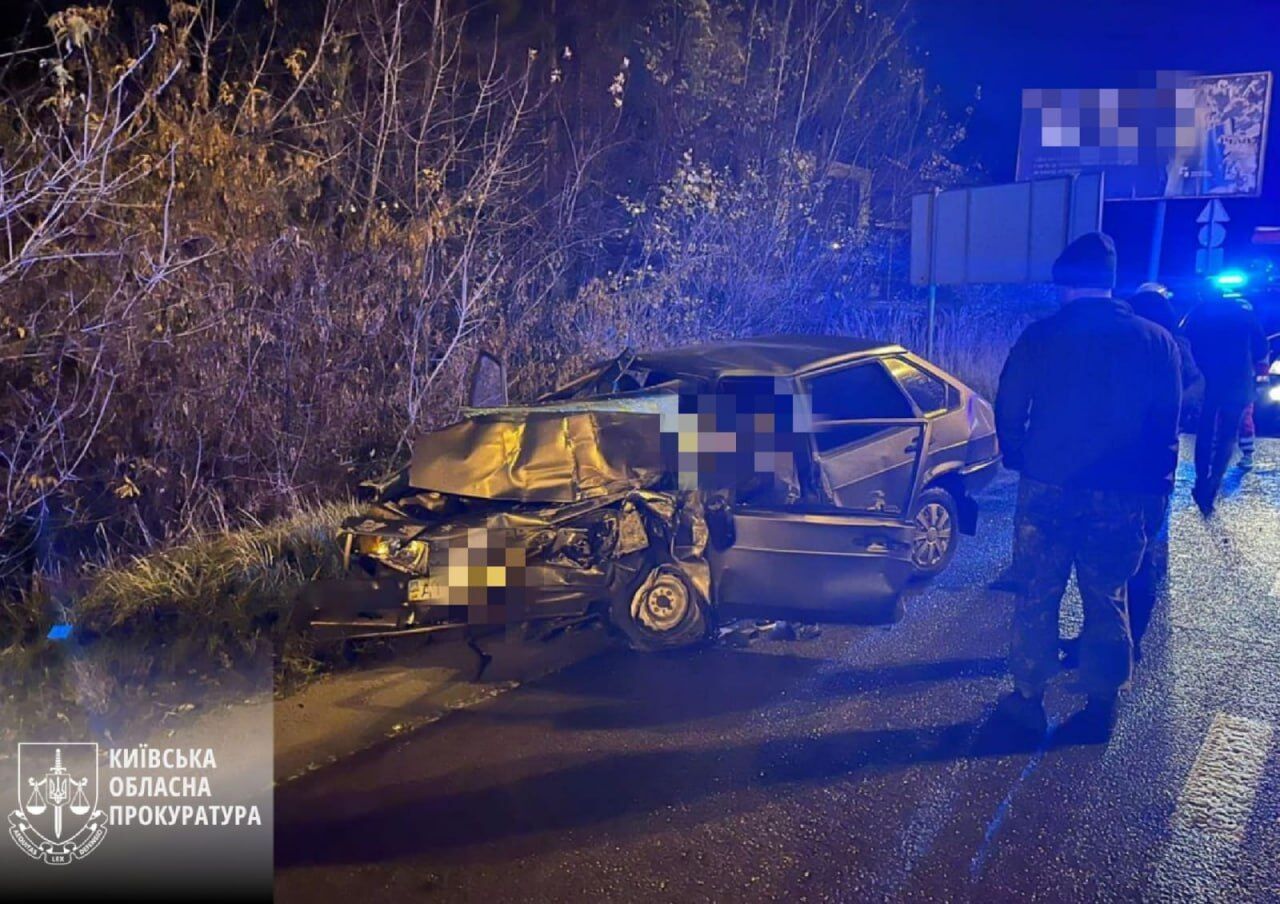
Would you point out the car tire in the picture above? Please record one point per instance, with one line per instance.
(937, 520)
(662, 611)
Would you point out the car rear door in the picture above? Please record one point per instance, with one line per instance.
(868, 440)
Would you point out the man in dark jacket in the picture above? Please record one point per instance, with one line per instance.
(1152, 302)
(1228, 345)
(1087, 411)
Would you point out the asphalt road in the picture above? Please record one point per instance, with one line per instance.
(850, 767)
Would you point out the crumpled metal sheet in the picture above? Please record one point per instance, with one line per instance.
(682, 522)
(631, 533)
(541, 456)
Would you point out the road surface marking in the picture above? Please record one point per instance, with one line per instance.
(1213, 810)
(1275, 588)
(1218, 795)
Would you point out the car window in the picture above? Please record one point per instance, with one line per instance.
(928, 392)
(861, 391)
(761, 413)
(607, 382)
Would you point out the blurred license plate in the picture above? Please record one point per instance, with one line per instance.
(424, 590)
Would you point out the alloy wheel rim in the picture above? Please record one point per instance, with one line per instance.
(933, 535)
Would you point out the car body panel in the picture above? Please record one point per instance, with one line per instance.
(825, 565)
(551, 456)
(962, 434)
(779, 356)
(879, 473)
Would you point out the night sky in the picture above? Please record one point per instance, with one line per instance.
(1007, 45)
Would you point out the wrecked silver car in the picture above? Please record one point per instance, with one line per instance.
(801, 477)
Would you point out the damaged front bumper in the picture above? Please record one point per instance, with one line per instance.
(356, 608)
(452, 596)
(493, 568)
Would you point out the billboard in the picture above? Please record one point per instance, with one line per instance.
(1201, 136)
(1001, 233)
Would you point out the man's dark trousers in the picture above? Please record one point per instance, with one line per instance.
(1148, 583)
(1102, 535)
(1216, 437)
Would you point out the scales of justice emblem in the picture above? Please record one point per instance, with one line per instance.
(57, 819)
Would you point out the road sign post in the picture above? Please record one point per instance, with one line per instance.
(933, 281)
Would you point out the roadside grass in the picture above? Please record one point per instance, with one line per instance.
(972, 337)
(184, 622)
(218, 597)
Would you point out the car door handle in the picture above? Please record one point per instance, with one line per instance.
(913, 447)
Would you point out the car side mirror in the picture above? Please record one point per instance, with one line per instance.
(488, 382)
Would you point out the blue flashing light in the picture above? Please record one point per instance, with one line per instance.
(59, 632)
(1231, 279)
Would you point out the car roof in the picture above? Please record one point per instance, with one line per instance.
(763, 355)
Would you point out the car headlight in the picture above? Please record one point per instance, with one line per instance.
(1274, 393)
(406, 555)
(1274, 370)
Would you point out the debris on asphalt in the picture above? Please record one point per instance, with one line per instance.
(742, 631)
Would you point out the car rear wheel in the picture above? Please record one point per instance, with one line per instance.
(935, 516)
(663, 612)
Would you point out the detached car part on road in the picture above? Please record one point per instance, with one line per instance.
(802, 477)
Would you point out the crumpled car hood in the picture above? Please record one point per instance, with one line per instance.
(560, 454)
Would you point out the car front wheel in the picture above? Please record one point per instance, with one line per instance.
(935, 516)
(663, 612)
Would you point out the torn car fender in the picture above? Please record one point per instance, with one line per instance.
(676, 523)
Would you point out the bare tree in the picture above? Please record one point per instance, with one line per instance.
(68, 164)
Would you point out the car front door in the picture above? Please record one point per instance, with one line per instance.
(868, 440)
(844, 553)
(815, 563)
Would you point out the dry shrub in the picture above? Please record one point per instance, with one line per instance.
(227, 298)
(973, 331)
(246, 260)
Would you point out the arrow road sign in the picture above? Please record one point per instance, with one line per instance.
(1212, 234)
(1213, 212)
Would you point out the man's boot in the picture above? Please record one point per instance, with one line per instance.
(1093, 724)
